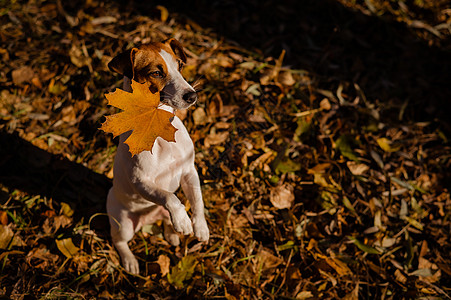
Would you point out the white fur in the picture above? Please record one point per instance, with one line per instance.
(144, 185)
(177, 85)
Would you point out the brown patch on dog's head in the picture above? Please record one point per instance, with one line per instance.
(145, 64)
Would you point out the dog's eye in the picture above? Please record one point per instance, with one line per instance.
(156, 74)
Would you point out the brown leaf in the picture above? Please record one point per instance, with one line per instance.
(78, 56)
(268, 260)
(282, 196)
(23, 74)
(164, 263)
(286, 78)
(199, 116)
(6, 236)
(216, 138)
(41, 257)
(3, 218)
(357, 168)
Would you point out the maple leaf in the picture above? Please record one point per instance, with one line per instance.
(141, 115)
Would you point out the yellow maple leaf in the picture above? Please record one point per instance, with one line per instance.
(141, 115)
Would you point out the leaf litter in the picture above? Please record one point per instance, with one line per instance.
(312, 188)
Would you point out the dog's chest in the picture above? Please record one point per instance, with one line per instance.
(167, 162)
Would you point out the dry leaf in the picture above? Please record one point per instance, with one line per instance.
(304, 295)
(78, 57)
(325, 104)
(216, 138)
(66, 209)
(286, 78)
(164, 263)
(357, 168)
(6, 235)
(339, 266)
(140, 114)
(386, 145)
(199, 116)
(164, 12)
(23, 74)
(67, 247)
(282, 196)
(8, 238)
(268, 260)
(400, 276)
(182, 271)
(3, 218)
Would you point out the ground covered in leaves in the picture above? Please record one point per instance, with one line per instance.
(322, 137)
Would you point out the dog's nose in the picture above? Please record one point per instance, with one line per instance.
(190, 97)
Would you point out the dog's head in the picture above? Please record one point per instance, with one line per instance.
(160, 64)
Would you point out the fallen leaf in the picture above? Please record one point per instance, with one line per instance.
(3, 218)
(286, 78)
(61, 221)
(141, 115)
(36, 82)
(426, 269)
(41, 257)
(325, 104)
(78, 57)
(56, 88)
(23, 74)
(66, 209)
(164, 12)
(8, 239)
(400, 276)
(182, 271)
(357, 168)
(103, 20)
(354, 295)
(267, 260)
(363, 247)
(282, 196)
(216, 138)
(344, 145)
(339, 266)
(304, 295)
(67, 247)
(199, 116)
(164, 263)
(386, 145)
(6, 236)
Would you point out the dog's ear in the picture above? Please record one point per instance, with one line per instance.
(177, 48)
(123, 63)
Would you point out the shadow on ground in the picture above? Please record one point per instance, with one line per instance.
(386, 59)
(30, 169)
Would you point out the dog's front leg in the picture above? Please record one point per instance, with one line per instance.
(168, 200)
(191, 187)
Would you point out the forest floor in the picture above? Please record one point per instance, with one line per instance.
(322, 137)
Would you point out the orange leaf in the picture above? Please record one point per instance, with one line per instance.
(141, 115)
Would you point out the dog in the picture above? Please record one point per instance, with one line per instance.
(144, 185)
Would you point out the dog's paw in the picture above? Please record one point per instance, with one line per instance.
(201, 230)
(181, 222)
(131, 264)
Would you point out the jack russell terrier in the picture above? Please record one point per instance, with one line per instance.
(144, 185)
